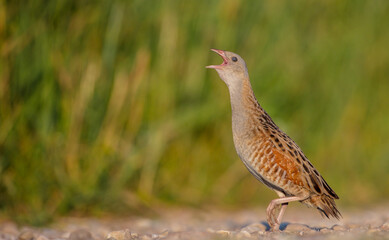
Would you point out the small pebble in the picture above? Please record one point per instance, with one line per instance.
(27, 235)
(146, 237)
(385, 226)
(121, 235)
(50, 233)
(224, 233)
(245, 233)
(255, 227)
(294, 227)
(325, 230)
(339, 228)
(134, 235)
(163, 234)
(80, 234)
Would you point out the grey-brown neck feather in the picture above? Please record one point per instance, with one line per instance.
(244, 105)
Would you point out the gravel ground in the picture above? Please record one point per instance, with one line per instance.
(299, 223)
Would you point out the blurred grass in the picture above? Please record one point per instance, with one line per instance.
(107, 106)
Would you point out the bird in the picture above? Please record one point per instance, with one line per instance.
(269, 154)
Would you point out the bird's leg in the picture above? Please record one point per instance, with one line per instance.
(283, 207)
(275, 223)
(281, 214)
(278, 208)
(270, 215)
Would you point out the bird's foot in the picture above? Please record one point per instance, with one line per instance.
(273, 221)
(274, 226)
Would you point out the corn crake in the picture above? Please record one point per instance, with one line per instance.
(267, 152)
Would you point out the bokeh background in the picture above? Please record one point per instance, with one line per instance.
(106, 106)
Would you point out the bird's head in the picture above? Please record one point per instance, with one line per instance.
(232, 70)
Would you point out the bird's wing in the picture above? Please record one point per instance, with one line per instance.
(299, 169)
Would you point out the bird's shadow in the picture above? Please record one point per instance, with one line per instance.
(264, 223)
(284, 225)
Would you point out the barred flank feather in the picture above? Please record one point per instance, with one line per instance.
(326, 205)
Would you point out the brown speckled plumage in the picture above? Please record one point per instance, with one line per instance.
(268, 153)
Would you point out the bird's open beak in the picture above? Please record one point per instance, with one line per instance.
(223, 55)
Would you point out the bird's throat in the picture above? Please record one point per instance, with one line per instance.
(241, 96)
(244, 106)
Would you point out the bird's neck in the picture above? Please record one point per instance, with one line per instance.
(245, 107)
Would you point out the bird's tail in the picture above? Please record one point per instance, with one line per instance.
(326, 205)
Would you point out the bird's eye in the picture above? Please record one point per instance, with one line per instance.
(234, 59)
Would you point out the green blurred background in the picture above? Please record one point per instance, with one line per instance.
(106, 106)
